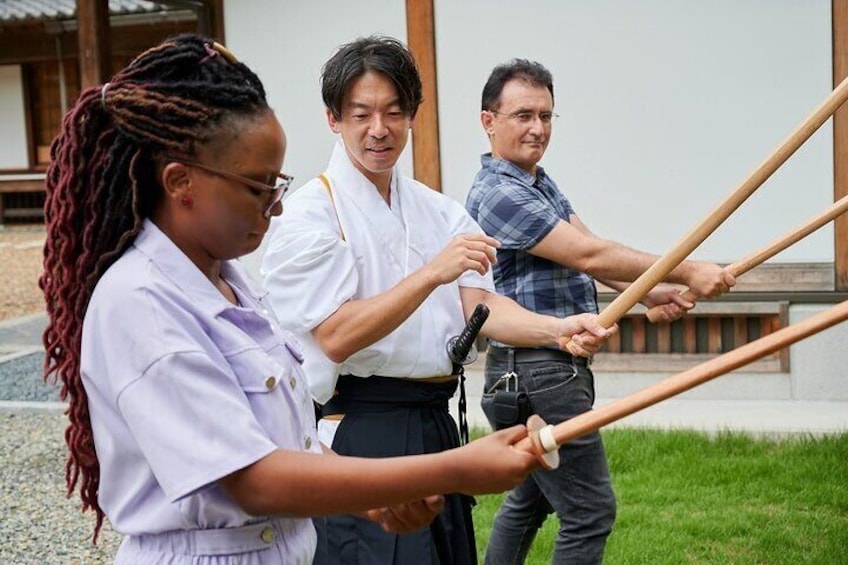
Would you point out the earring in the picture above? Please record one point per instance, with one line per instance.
(186, 201)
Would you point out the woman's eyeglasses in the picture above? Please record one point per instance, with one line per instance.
(275, 191)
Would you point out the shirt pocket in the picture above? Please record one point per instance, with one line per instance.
(267, 385)
(256, 371)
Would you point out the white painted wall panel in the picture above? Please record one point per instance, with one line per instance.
(666, 107)
(13, 148)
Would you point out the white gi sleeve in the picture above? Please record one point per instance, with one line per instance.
(309, 272)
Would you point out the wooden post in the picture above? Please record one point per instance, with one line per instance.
(664, 338)
(839, 16)
(94, 44)
(639, 337)
(210, 18)
(215, 9)
(420, 31)
(690, 335)
(714, 344)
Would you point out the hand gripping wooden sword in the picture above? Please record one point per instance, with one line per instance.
(747, 263)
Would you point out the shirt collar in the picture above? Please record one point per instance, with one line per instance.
(179, 269)
(343, 169)
(341, 165)
(508, 168)
(344, 172)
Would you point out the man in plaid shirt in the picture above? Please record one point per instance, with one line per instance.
(548, 262)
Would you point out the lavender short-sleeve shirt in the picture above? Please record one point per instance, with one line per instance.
(185, 388)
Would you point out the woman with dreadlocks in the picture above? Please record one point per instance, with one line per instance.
(191, 427)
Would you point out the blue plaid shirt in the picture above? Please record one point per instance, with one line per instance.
(519, 210)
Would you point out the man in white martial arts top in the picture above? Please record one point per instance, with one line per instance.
(374, 272)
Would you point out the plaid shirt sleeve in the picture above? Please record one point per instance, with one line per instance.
(516, 216)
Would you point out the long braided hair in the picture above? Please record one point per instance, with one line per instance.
(100, 186)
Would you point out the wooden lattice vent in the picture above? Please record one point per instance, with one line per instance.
(23, 207)
(711, 329)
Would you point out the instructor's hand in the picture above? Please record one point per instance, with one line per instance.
(408, 517)
(469, 252)
(582, 334)
(672, 304)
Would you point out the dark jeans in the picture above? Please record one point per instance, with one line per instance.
(579, 491)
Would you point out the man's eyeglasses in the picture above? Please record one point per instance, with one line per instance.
(528, 117)
(275, 191)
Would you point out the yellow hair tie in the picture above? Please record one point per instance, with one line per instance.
(228, 55)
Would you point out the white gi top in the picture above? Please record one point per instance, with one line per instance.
(184, 388)
(310, 271)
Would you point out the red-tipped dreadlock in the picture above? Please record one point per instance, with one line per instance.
(101, 184)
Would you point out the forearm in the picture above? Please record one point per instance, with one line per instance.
(619, 263)
(681, 274)
(574, 246)
(360, 323)
(650, 299)
(620, 286)
(306, 484)
(612, 261)
(510, 323)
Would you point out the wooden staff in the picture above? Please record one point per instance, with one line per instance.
(665, 264)
(544, 440)
(749, 262)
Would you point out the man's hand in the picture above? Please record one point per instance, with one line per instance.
(583, 335)
(673, 305)
(409, 517)
(469, 252)
(708, 279)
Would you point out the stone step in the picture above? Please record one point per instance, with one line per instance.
(732, 386)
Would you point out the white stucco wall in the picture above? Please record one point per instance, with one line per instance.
(818, 363)
(666, 106)
(13, 151)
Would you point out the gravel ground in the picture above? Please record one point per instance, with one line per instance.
(20, 379)
(38, 524)
(21, 257)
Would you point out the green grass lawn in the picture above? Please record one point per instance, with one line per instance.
(686, 497)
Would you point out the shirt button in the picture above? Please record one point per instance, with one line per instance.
(268, 534)
(293, 382)
(270, 382)
(308, 442)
